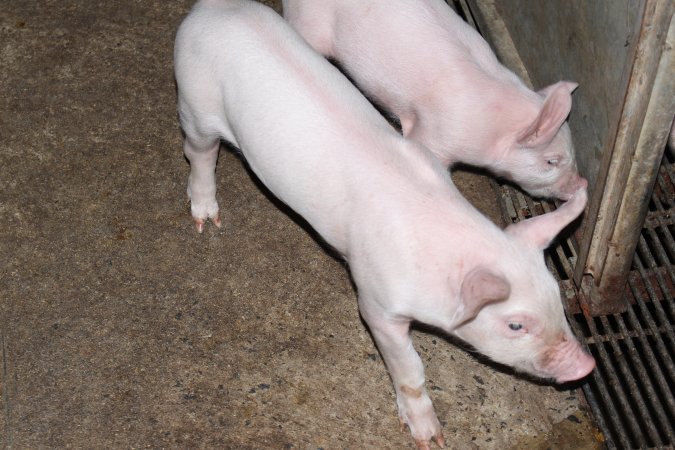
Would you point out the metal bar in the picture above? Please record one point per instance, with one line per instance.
(663, 260)
(660, 347)
(599, 414)
(633, 387)
(608, 408)
(467, 14)
(645, 378)
(509, 213)
(521, 205)
(663, 257)
(665, 185)
(531, 205)
(665, 396)
(629, 169)
(615, 384)
(664, 213)
(660, 219)
(660, 313)
(632, 334)
(667, 244)
(669, 241)
(670, 168)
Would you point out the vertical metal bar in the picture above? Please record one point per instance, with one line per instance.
(615, 384)
(521, 204)
(532, 205)
(664, 185)
(633, 388)
(567, 267)
(663, 260)
(666, 210)
(660, 348)
(608, 409)
(645, 378)
(669, 169)
(652, 294)
(508, 210)
(599, 414)
(617, 200)
(669, 242)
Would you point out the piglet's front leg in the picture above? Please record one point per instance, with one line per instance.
(392, 337)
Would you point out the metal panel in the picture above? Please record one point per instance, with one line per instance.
(616, 50)
(632, 390)
(591, 42)
(607, 248)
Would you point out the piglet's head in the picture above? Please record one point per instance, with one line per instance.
(541, 158)
(531, 337)
(513, 312)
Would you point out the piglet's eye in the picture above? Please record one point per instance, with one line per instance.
(516, 326)
(552, 162)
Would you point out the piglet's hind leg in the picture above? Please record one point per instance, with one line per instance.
(201, 190)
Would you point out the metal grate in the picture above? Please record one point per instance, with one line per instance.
(632, 391)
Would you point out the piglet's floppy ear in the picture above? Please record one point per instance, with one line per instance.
(556, 108)
(480, 287)
(541, 230)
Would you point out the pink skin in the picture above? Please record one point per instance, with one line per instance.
(567, 361)
(438, 75)
(417, 250)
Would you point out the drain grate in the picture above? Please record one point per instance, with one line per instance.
(632, 391)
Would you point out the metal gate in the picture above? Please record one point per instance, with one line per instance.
(632, 391)
(617, 272)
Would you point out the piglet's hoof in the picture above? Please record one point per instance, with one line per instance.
(423, 444)
(199, 223)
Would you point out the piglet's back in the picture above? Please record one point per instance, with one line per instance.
(252, 56)
(244, 75)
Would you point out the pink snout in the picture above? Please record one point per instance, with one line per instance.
(584, 365)
(567, 362)
(566, 187)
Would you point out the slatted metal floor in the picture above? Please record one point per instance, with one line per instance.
(632, 391)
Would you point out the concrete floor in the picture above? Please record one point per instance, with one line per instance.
(123, 328)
